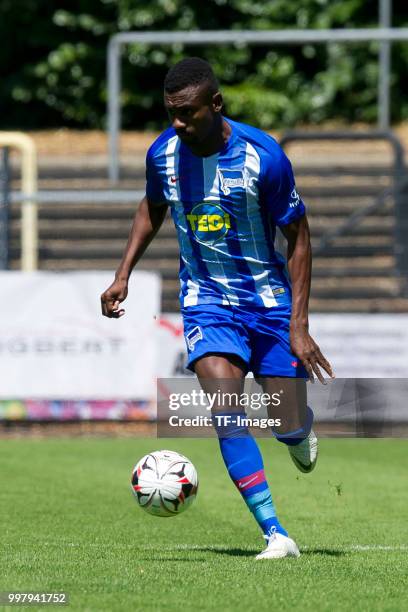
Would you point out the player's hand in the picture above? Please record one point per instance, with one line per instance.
(306, 349)
(111, 299)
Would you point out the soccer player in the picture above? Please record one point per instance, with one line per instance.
(229, 186)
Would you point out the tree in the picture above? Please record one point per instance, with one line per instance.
(54, 53)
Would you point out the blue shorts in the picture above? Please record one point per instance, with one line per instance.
(259, 336)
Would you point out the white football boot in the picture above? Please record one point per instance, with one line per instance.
(304, 455)
(279, 546)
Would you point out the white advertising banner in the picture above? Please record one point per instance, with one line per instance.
(55, 343)
(369, 354)
(172, 356)
(363, 345)
(357, 345)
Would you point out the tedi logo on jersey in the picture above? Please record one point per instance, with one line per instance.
(209, 222)
(229, 179)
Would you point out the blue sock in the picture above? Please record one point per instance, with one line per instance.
(293, 438)
(245, 466)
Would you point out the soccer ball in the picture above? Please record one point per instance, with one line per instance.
(164, 483)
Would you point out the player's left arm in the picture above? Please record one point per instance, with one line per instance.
(299, 256)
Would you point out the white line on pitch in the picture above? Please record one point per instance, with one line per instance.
(353, 547)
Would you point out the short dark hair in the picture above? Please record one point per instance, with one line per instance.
(189, 72)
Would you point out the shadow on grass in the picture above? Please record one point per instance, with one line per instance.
(232, 552)
(244, 552)
(329, 552)
(236, 552)
(186, 559)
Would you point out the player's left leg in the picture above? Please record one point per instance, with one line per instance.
(278, 369)
(296, 419)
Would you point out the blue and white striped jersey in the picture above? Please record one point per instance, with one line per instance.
(226, 208)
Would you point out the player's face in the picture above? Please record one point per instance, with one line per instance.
(192, 112)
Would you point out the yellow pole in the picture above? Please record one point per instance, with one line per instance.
(29, 215)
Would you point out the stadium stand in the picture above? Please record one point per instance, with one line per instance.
(354, 272)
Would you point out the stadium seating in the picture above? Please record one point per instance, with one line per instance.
(354, 273)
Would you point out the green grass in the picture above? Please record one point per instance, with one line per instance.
(69, 522)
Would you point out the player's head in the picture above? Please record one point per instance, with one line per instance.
(192, 99)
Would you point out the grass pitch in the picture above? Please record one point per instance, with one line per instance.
(70, 523)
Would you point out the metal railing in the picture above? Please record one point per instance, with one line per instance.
(29, 233)
(384, 35)
(78, 196)
(397, 191)
(29, 230)
(4, 206)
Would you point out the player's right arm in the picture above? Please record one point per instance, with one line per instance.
(146, 223)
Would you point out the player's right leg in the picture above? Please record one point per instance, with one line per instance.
(219, 351)
(225, 374)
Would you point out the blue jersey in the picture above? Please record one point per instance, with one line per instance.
(226, 208)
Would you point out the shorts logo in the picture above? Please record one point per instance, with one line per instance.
(194, 336)
(295, 198)
(233, 178)
(209, 223)
(278, 291)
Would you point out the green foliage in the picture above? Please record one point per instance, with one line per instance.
(53, 61)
